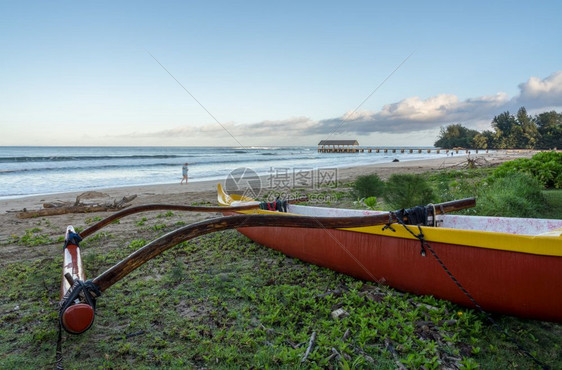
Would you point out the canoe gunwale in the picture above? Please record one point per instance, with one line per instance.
(545, 245)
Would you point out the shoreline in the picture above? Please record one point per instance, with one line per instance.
(171, 192)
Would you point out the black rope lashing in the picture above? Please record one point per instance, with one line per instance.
(389, 224)
(72, 239)
(419, 215)
(276, 205)
(84, 291)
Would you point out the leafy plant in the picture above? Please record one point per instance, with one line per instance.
(167, 214)
(546, 167)
(90, 220)
(32, 237)
(137, 244)
(370, 202)
(158, 227)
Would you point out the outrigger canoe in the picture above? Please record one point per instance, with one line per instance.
(504, 265)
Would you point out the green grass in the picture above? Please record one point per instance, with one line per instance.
(32, 237)
(224, 301)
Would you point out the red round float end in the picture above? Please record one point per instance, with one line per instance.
(78, 318)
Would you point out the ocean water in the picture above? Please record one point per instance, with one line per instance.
(46, 170)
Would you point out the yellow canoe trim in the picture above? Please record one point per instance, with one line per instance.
(548, 245)
(532, 244)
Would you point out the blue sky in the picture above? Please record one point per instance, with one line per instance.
(285, 73)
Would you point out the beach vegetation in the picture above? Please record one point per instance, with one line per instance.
(166, 215)
(90, 220)
(204, 203)
(370, 203)
(519, 131)
(455, 136)
(137, 244)
(158, 227)
(338, 195)
(549, 125)
(96, 239)
(554, 204)
(44, 221)
(32, 237)
(546, 167)
(367, 186)
(407, 190)
(457, 184)
(517, 196)
(514, 195)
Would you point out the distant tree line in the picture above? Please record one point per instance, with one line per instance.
(543, 131)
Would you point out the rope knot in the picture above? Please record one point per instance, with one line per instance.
(389, 224)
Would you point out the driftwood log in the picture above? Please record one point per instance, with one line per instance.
(79, 206)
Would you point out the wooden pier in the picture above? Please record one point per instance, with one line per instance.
(352, 146)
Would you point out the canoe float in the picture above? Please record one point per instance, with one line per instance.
(505, 265)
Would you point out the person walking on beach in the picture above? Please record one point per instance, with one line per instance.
(184, 171)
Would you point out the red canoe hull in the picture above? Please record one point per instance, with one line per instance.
(513, 283)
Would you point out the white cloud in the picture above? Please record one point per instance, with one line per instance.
(414, 108)
(415, 114)
(537, 93)
(412, 114)
(285, 127)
